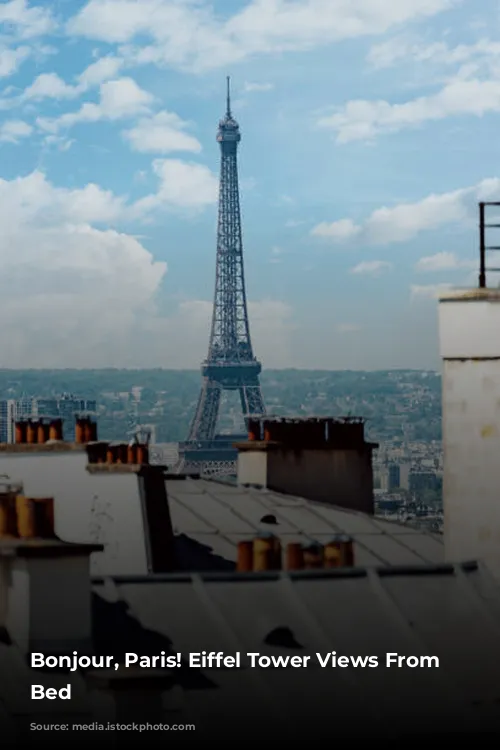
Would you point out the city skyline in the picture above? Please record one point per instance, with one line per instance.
(366, 145)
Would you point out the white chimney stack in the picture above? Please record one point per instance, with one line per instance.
(325, 460)
(45, 587)
(469, 330)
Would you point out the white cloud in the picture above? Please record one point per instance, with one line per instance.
(403, 48)
(120, 98)
(443, 262)
(28, 20)
(85, 286)
(371, 267)
(102, 70)
(191, 35)
(52, 86)
(12, 131)
(363, 120)
(249, 87)
(36, 201)
(428, 291)
(11, 59)
(91, 292)
(406, 220)
(49, 86)
(338, 231)
(184, 185)
(348, 327)
(161, 133)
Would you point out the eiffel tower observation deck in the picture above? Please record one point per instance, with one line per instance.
(230, 364)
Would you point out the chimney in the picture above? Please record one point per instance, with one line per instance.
(339, 552)
(21, 431)
(266, 553)
(45, 589)
(56, 429)
(158, 531)
(85, 430)
(469, 324)
(32, 431)
(320, 459)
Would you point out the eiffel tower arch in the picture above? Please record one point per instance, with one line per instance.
(230, 364)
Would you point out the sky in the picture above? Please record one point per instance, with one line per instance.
(369, 134)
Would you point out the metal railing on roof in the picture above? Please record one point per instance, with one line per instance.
(483, 247)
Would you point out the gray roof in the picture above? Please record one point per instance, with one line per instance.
(209, 517)
(219, 515)
(400, 599)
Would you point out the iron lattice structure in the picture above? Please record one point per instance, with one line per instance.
(230, 364)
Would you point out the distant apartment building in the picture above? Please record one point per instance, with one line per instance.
(393, 477)
(404, 476)
(422, 481)
(10, 411)
(7, 419)
(66, 406)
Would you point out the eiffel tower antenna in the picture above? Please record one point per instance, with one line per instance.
(228, 98)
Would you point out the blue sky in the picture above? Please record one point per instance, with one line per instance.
(368, 136)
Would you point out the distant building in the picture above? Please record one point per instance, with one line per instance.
(7, 419)
(393, 477)
(422, 481)
(404, 476)
(11, 410)
(389, 477)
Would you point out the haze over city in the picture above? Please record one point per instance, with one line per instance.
(367, 140)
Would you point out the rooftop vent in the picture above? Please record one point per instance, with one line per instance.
(265, 553)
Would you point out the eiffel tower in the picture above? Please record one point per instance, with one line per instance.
(230, 364)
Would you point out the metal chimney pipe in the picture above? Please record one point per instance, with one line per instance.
(265, 552)
(111, 454)
(31, 432)
(339, 552)
(313, 556)
(8, 515)
(122, 453)
(20, 432)
(132, 453)
(245, 557)
(56, 429)
(142, 454)
(80, 429)
(253, 430)
(42, 432)
(35, 517)
(294, 556)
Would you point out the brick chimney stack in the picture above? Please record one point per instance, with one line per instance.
(45, 593)
(320, 459)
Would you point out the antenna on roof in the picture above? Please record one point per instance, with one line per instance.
(228, 97)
